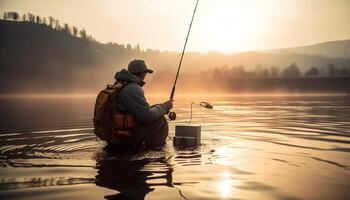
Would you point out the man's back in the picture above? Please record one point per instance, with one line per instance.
(131, 99)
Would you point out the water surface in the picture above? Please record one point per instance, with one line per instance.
(253, 147)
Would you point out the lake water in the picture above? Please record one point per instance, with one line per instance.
(253, 147)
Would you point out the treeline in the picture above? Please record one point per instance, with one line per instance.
(40, 55)
(290, 71)
(50, 22)
(327, 79)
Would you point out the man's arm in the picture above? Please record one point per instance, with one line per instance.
(133, 97)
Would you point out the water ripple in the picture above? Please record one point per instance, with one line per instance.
(252, 148)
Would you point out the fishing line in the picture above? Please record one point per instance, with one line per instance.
(204, 122)
(205, 105)
(201, 104)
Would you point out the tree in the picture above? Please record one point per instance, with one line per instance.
(44, 21)
(261, 72)
(5, 16)
(24, 17)
(313, 72)
(57, 24)
(274, 71)
(83, 33)
(264, 73)
(66, 28)
(38, 19)
(75, 31)
(292, 71)
(258, 69)
(237, 72)
(217, 74)
(332, 70)
(51, 21)
(89, 37)
(138, 49)
(342, 72)
(13, 15)
(31, 17)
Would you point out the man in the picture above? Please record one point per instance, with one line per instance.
(151, 127)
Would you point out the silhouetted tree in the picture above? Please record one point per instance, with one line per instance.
(31, 17)
(238, 72)
(12, 15)
(257, 70)
(347, 73)
(264, 73)
(332, 70)
(24, 17)
(66, 28)
(83, 34)
(343, 72)
(312, 72)
(51, 21)
(38, 19)
(261, 72)
(15, 16)
(274, 71)
(138, 48)
(57, 25)
(89, 37)
(292, 71)
(217, 74)
(43, 21)
(75, 31)
(5, 16)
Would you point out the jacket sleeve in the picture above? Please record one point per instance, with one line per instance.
(133, 98)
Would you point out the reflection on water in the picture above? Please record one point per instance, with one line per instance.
(119, 171)
(252, 148)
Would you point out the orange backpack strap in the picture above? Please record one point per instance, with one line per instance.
(122, 122)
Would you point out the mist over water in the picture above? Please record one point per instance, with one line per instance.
(253, 147)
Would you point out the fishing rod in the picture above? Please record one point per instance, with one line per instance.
(172, 115)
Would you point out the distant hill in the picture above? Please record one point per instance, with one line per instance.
(37, 58)
(334, 49)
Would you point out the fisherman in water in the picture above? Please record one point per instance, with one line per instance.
(149, 125)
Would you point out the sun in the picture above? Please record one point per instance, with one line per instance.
(228, 27)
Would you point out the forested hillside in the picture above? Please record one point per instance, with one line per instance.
(39, 55)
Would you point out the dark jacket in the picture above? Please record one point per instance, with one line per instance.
(132, 99)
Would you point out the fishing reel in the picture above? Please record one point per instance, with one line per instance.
(172, 116)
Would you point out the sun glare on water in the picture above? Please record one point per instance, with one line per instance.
(226, 185)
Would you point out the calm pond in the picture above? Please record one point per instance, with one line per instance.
(253, 147)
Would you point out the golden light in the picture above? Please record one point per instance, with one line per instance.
(226, 185)
(224, 156)
(229, 26)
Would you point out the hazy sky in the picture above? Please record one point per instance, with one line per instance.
(220, 25)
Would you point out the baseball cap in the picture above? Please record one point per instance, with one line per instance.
(138, 66)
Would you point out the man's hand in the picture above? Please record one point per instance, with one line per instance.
(168, 105)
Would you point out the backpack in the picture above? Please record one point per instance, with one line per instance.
(105, 111)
